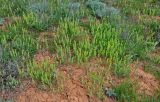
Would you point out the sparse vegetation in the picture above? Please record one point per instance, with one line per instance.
(119, 32)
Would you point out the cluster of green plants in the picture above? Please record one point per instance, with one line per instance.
(126, 92)
(43, 72)
(102, 39)
(17, 46)
(134, 7)
(15, 50)
(114, 38)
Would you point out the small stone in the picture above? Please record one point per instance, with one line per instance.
(110, 92)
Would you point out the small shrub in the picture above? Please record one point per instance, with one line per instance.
(12, 82)
(9, 74)
(39, 8)
(38, 22)
(100, 9)
(11, 8)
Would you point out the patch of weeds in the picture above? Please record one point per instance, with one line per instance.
(25, 43)
(11, 8)
(15, 28)
(102, 40)
(43, 72)
(148, 99)
(60, 82)
(132, 7)
(38, 22)
(154, 26)
(95, 81)
(121, 67)
(137, 45)
(151, 68)
(71, 49)
(126, 92)
(39, 15)
(60, 11)
(156, 59)
(16, 47)
(95, 84)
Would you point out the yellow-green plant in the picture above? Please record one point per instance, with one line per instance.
(43, 72)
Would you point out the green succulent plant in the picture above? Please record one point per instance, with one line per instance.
(100, 9)
(38, 7)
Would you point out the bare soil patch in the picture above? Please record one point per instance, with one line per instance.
(74, 91)
(147, 82)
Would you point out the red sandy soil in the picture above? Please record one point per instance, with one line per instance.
(74, 90)
(147, 82)
(41, 56)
